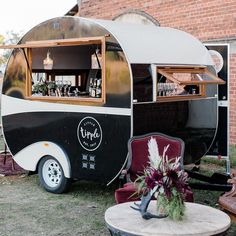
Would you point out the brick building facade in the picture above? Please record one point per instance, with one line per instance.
(211, 21)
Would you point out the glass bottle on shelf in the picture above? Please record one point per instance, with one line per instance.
(93, 91)
(90, 86)
(98, 89)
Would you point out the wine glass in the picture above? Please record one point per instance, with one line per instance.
(159, 89)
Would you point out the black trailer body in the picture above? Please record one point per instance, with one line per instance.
(107, 81)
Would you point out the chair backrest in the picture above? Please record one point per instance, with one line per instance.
(138, 151)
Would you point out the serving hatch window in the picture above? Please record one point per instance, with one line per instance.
(65, 70)
(182, 83)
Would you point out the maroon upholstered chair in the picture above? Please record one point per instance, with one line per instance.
(227, 201)
(138, 160)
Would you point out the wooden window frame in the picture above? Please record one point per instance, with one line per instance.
(28, 46)
(168, 71)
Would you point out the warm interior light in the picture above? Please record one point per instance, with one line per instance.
(48, 62)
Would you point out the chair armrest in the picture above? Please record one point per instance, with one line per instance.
(123, 174)
(232, 181)
(232, 192)
(123, 177)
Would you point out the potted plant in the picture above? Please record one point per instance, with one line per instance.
(40, 88)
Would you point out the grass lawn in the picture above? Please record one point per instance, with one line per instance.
(26, 209)
(210, 198)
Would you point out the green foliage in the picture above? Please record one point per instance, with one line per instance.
(140, 182)
(10, 38)
(1, 39)
(174, 206)
(44, 87)
(13, 37)
(51, 85)
(2, 59)
(221, 162)
(40, 88)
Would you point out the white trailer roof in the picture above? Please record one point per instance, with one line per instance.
(159, 45)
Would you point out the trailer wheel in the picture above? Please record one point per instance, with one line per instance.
(51, 176)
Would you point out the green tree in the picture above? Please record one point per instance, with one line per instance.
(2, 59)
(10, 38)
(1, 39)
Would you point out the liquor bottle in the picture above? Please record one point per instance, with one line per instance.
(93, 92)
(98, 89)
(90, 86)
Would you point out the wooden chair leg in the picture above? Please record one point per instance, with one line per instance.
(13, 164)
(5, 154)
(4, 157)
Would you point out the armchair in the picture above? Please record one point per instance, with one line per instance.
(227, 201)
(138, 160)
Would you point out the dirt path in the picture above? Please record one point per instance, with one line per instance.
(26, 209)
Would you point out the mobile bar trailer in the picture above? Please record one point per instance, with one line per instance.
(70, 115)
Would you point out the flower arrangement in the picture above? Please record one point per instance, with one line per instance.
(165, 180)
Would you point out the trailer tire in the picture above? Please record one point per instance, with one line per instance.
(51, 176)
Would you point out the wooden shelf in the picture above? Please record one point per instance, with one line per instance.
(66, 100)
(180, 98)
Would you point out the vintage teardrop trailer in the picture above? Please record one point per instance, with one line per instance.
(107, 81)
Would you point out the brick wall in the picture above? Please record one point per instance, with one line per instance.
(208, 20)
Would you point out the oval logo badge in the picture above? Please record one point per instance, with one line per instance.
(89, 133)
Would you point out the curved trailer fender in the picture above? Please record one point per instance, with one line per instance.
(29, 157)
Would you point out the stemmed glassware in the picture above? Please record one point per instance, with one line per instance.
(175, 88)
(159, 89)
(167, 89)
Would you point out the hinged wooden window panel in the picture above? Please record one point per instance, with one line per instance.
(28, 48)
(28, 54)
(57, 42)
(183, 83)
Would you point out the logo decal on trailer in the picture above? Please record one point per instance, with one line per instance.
(89, 133)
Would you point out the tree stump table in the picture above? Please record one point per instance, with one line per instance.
(199, 220)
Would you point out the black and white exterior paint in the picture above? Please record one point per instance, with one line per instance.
(90, 140)
(80, 137)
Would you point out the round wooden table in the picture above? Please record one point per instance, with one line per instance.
(199, 220)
